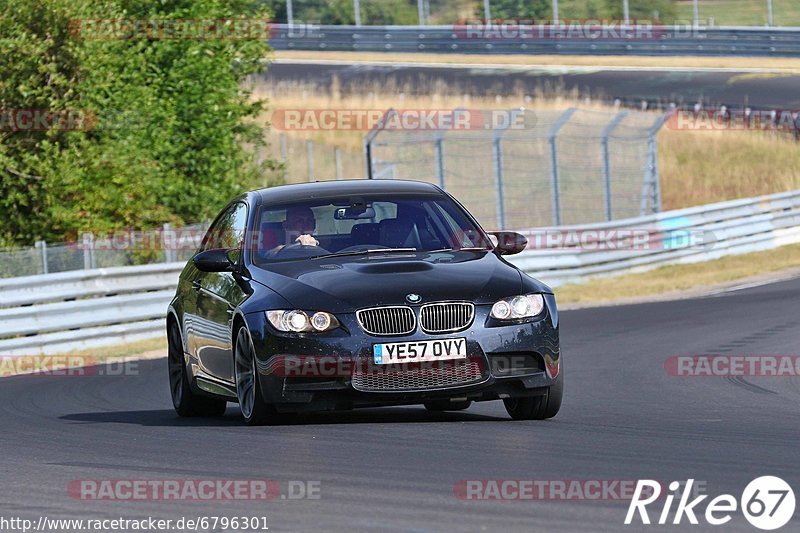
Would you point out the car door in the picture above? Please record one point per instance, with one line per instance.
(217, 296)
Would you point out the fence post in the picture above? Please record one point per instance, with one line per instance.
(420, 13)
(369, 168)
(769, 13)
(438, 153)
(497, 156)
(606, 159)
(497, 162)
(166, 239)
(368, 159)
(357, 12)
(552, 134)
(652, 149)
(337, 156)
(656, 174)
(284, 155)
(651, 186)
(42, 246)
(310, 158)
(88, 250)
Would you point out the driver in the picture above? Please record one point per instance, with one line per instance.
(298, 226)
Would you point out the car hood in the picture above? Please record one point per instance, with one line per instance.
(345, 284)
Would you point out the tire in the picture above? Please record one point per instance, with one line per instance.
(186, 402)
(447, 405)
(538, 407)
(255, 410)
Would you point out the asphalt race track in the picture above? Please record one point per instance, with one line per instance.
(394, 469)
(763, 90)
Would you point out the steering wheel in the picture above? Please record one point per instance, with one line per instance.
(297, 247)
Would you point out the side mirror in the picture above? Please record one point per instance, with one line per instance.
(216, 260)
(509, 242)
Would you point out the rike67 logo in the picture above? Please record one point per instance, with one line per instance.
(767, 502)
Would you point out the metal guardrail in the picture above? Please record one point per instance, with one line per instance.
(682, 236)
(58, 313)
(666, 41)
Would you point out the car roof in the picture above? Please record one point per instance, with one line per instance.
(324, 189)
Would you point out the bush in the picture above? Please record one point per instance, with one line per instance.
(170, 119)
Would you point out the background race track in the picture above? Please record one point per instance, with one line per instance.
(394, 469)
(680, 85)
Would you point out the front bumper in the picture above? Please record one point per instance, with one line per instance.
(517, 359)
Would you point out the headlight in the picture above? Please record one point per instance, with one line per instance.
(297, 321)
(525, 306)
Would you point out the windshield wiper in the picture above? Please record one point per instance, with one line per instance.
(364, 252)
(465, 249)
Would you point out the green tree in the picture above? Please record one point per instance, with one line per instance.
(172, 119)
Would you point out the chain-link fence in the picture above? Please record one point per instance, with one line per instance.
(553, 168)
(305, 160)
(120, 248)
(442, 12)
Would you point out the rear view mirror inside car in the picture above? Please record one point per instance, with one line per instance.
(354, 213)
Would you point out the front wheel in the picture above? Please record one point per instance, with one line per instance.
(538, 407)
(255, 410)
(186, 402)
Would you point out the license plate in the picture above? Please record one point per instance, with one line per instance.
(419, 351)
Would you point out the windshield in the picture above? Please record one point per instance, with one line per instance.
(384, 224)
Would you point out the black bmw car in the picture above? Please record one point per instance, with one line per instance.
(347, 294)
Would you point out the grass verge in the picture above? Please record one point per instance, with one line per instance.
(778, 64)
(678, 280)
(46, 364)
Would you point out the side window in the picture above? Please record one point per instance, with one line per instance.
(228, 230)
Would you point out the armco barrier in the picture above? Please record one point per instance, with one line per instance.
(726, 228)
(668, 40)
(56, 313)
